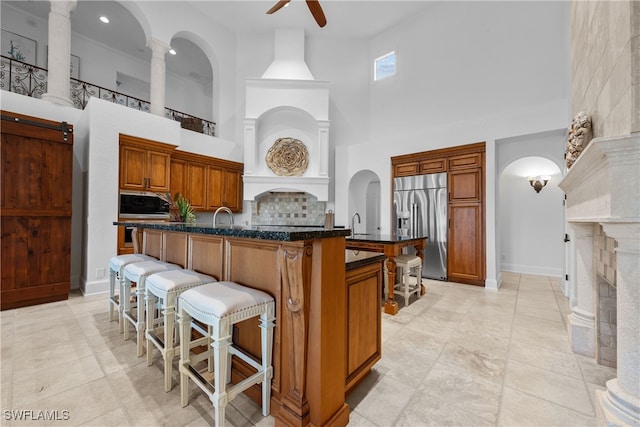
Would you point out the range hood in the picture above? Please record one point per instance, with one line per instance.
(286, 102)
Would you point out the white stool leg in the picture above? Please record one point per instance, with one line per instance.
(112, 293)
(140, 325)
(125, 302)
(121, 301)
(209, 342)
(407, 276)
(220, 360)
(266, 326)
(419, 280)
(184, 322)
(150, 301)
(169, 325)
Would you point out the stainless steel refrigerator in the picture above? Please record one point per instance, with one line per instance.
(420, 208)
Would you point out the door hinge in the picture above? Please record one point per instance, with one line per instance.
(566, 277)
(566, 238)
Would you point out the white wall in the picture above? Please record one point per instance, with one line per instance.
(465, 59)
(467, 72)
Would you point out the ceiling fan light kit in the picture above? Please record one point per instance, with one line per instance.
(314, 8)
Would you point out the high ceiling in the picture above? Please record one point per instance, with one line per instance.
(352, 19)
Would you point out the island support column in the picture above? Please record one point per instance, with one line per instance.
(314, 318)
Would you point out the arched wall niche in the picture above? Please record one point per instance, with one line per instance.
(287, 122)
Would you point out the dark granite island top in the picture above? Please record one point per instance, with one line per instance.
(265, 232)
(391, 246)
(303, 269)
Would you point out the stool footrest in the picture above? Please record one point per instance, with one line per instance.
(200, 381)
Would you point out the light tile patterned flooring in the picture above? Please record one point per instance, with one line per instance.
(460, 356)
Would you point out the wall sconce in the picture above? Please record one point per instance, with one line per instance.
(537, 182)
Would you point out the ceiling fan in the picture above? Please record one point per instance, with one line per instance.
(314, 7)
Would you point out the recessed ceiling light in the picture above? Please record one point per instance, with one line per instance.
(104, 19)
(172, 51)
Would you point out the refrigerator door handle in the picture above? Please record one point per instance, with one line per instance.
(414, 219)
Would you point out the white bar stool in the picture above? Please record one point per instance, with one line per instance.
(116, 267)
(406, 263)
(221, 305)
(138, 273)
(166, 287)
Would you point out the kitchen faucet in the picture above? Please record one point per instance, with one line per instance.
(223, 209)
(353, 225)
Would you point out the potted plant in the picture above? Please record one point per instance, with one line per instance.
(181, 210)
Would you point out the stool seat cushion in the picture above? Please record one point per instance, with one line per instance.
(173, 280)
(145, 268)
(220, 299)
(409, 260)
(117, 262)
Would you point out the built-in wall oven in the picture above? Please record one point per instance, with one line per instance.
(139, 206)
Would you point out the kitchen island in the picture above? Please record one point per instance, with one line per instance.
(390, 245)
(304, 270)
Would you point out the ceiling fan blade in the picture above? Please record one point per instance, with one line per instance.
(276, 7)
(316, 11)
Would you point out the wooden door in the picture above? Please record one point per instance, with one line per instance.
(158, 171)
(37, 163)
(178, 178)
(133, 161)
(232, 193)
(465, 262)
(197, 185)
(215, 179)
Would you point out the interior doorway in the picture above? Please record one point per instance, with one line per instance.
(364, 200)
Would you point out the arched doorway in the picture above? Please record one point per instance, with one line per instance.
(364, 199)
(531, 224)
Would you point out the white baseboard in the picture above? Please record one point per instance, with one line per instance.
(95, 287)
(532, 269)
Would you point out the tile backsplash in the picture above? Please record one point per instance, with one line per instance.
(287, 208)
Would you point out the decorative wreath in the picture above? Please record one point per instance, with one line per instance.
(287, 157)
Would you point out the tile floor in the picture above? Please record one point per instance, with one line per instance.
(458, 356)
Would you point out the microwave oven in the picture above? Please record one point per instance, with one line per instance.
(143, 205)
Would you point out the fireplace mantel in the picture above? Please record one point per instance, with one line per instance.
(603, 185)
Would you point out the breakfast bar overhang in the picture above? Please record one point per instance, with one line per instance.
(304, 270)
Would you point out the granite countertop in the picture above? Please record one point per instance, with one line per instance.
(355, 258)
(382, 238)
(264, 232)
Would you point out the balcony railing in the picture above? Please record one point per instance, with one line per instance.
(31, 80)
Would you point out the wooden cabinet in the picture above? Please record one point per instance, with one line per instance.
(364, 321)
(465, 181)
(406, 169)
(433, 165)
(466, 255)
(465, 185)
(207, 182)
(37, 164)
(144, 164)
(224, 188)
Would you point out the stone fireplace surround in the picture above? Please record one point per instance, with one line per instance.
(603, 188)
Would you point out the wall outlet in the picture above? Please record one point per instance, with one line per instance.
(99, 273)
